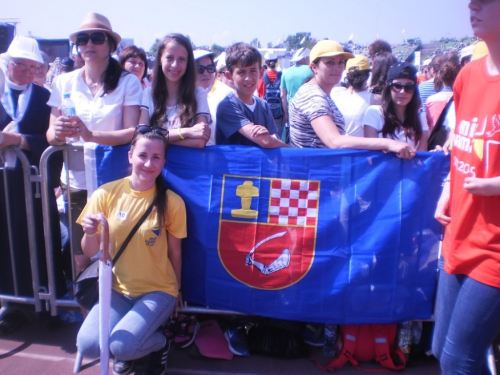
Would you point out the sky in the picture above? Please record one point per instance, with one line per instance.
(224, 22)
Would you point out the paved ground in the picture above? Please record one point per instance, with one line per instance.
(33, 349)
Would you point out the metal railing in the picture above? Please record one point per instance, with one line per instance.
(30, 177)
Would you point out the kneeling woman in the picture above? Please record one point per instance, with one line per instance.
(399, 117)
(146, 278)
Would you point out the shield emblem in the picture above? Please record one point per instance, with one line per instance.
(267, 229)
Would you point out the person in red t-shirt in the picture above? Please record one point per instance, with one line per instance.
(468, 299)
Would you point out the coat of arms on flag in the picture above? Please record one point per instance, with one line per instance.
(267, 231)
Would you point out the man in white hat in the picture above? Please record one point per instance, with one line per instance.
(24, 103)
(24, 123)
(294, 77)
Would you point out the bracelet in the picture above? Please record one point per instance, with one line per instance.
(22, 143)
(60, 140)
(180, 134)
(445, 181)
(90, 235)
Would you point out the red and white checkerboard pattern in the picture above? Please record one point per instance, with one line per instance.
(294, 202)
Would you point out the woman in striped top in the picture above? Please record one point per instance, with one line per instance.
(315, 120)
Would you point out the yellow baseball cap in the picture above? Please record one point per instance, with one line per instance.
(358, 62)
(480, 50)
(328, 48)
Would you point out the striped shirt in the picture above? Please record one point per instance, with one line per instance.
(426, 89)
(309, 103)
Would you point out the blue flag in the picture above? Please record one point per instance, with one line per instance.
(339, 236)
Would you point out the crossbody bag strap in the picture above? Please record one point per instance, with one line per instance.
(131, 234)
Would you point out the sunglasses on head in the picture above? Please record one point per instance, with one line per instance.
(209, 68)
(96, 38)
(408, 87)
(144, 129)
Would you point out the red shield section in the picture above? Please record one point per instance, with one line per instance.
(237, 239)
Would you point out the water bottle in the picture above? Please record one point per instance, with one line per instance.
(68, 110)
(405, 337)
(330, 346)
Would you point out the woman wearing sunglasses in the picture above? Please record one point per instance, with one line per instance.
(216, 91)
(174, 102)
(147, 276)
(399, 116)
(107, 103)
(206, 69)
(316, 122)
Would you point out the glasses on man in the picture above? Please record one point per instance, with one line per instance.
(144, 129)
(19, 65)
(209, 68)
(96, 38)
(409, 88)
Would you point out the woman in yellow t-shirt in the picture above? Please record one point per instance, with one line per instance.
(147, 276)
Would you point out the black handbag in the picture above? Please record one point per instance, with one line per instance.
(439, 133)
(86, 284)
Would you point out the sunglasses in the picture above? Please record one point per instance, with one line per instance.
(144, 129)
(96, 38)
(209, 68)
(408, 87)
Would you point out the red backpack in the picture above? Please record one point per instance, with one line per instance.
(366, 342)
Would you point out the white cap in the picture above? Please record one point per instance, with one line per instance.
(300, 54)
(270, 55)
(23, 47)
(467, 51)
(221, 61)
(199, 53)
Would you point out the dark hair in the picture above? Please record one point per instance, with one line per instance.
(411, 125)
(451, 64)
(378, 46)
(160, 198)
(381, 64)
(448, 73)
(186, 97)
(242, 53)
(133, 51)
(114, 71)
(357, 78)
(435, 64)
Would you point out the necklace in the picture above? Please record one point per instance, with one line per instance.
(94, 87)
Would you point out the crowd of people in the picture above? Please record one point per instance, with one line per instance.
(331, 98)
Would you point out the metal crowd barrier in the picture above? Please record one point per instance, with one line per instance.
(30, 177)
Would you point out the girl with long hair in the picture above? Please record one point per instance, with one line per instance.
(399, 116)
(174, 102)
(147, 276)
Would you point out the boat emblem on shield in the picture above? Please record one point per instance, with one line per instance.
(267, 231)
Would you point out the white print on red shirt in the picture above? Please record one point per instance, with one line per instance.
(476, 136)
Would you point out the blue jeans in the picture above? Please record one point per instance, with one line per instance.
(467, 322)
(134, 324)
